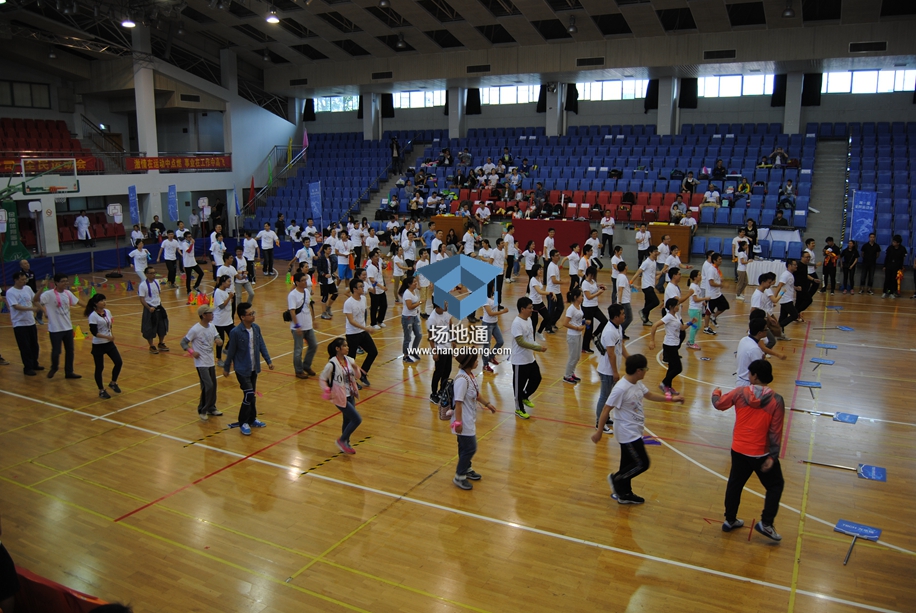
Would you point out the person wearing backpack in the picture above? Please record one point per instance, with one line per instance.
(464, 418)
(338, 384)
(441, 342)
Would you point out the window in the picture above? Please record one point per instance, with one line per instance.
(628, 89)
(419, 99)
(730, 86)
(869, 82)
(336, 104)
(509, 94)
(25, 95)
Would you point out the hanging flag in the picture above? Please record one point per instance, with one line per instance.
(238, 211)
(305, 138)
(289, 152)
(251, 193)
(270, 173)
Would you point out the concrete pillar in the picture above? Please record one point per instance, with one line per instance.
(147, 138)
(372, 116)
(667, 122)
(457, 120)
(555, 115)
(791, 123)
(193, 131)
(50, 240)
(229, 78)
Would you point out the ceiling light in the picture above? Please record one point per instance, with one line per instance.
(401, 44)
(2, 1)
(384, 4)
(180, 28)
(272, 15)
(128, 22)
(266, 55)
(212, 4)
(52, 55)
(789, 13)
(572, 29)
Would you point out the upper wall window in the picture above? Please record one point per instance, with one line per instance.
(627, 89)
(731, 86)
(509, 94)
(419, 99)
(336, 104)
(25, 95)
(868, 82)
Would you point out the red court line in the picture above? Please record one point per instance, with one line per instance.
(251, 455)
(227, 466)
(801, 364)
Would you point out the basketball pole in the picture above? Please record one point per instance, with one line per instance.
(116, 274)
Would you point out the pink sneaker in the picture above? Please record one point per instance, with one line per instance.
(345, 447)
(693, 346)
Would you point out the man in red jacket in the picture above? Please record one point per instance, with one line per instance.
(755, 445)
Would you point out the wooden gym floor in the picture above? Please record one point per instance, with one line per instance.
(134, 499)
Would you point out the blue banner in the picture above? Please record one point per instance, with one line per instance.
(173, 202)
(315, 202)
(134, 205)
(862, 217)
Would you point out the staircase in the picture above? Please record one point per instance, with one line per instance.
(410, 160)
(828, 191)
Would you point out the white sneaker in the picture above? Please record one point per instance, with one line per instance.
(376, 327)
(741, 298)
(383, 325)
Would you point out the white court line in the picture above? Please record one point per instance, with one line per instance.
(497, 521)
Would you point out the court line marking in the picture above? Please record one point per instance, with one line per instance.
(801, 365)
(801, 521)
(523, 527)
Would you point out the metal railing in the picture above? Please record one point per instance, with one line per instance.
(272, 173)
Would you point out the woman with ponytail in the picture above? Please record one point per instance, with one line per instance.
(103, 343)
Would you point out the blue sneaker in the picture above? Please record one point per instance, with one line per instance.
(246, 429)
(258, 424)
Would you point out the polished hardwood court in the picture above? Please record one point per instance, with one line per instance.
(134, 499)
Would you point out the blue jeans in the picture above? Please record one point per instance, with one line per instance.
(467, 447)
(300, 365)
(351, 419)
(492, 332)
(607, 384)
(410, 325)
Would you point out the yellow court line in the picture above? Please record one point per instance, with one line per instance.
(801, 523)
(330, 549)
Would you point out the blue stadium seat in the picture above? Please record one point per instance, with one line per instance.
(778, 250)
(714, 243)
(699, 246)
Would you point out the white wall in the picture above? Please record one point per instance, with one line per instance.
(210, 131)
(861, 107)
(746, 109)
(173, 131)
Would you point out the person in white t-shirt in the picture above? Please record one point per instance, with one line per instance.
(410, 319)
(251, 252)
(241, 278)
(616, 259)
(689, 222)
(712, 285)
(526, 374)
(596, 246)
(168, 250)
(607, 232)
(554, 293)
(753, 347)
(763, 303)
(155, 322)
(23, 304)
(464, 418)
(742, 271)
(377, 290)
(626, 400)
(343, 246)
(359, 334)
(498, 258)
(670, 356)
(140, 257)
(643, 238)
(292, 231)
(739, 240)
(82, 224)
(298, 302)
(56, 304)
(696, 307)
(537, 293)
(223, 310)
(442, 345)
(573, 259)
(194, 220)
(623, 289)
(608, 370)
(661, 263)
(136, 234)
(217, 251)
(511, 254)
(198, 342)
(268, 239)
(491, 313)
(103, 344)
(648, 273)
(574, 322)
(786, 291)
(189, 261)
(425, 283)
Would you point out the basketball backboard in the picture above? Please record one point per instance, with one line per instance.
(49, 175)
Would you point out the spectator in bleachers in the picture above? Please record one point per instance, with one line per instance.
(787, 195)
(432, 204)
(744, 188)
(465, 158)
(678, 209)
(501, 169)
(513, 182)
(396, 157)
(481, 178)
(409, 188)
(849, 257)
(157, 228)
(712, 196)
(719, 171)
(194, 220)
(451, 242)
(394, 203)
(279, 225)
(780, 220)
(540, 194)
(445, 158)
(137, 235)
(779, 157)
(689, 184)
(506, 158)
(493, 179)
(483, 214)
(489, 166)
(870, 252)
(628, 198)
(524, 168)
(292, 231)
(691, 223)
(764, 163)
(893, 263)
(181, 231)
(417, 206)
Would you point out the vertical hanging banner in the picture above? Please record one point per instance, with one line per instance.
(315, 202)
(862, 217)
(173, 202)
(134, 204)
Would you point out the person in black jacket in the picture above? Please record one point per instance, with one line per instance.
(893, 262)
(870, 252)
(326, 280)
